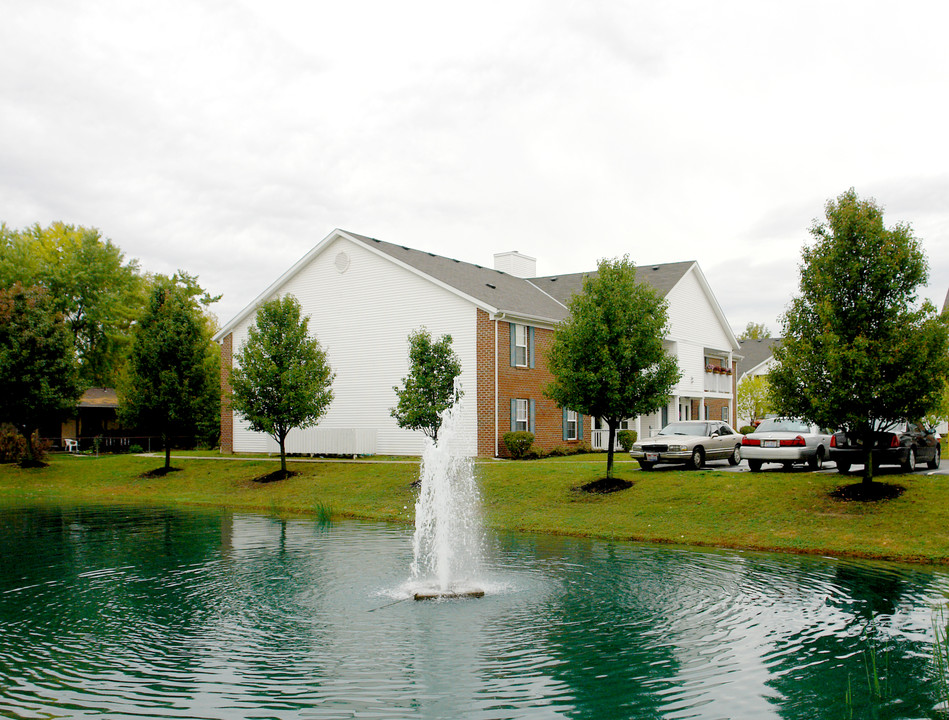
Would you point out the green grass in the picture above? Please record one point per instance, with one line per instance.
(790, 512)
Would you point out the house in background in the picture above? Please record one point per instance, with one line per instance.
(96, 415)
(365, 296)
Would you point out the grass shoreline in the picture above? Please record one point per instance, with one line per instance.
(773, 511)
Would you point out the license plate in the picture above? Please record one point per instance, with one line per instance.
(769, 443)
(652, 457)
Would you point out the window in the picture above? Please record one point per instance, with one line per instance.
(571, 420)
(522, 345)
(522, 417)
(725, 413)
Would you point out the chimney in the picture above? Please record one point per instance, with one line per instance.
(516, 264)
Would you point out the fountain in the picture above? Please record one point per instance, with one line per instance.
(448, 532)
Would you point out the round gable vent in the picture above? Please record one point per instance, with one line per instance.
(342, 262)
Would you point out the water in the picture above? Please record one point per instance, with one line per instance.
(150, 613)
(448, 539)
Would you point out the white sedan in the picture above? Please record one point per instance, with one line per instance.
(785, 441)
(690, 442)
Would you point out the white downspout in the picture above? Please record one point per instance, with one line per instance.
(496, 419)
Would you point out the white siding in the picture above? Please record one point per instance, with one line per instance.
(693, 326)
(362, 318)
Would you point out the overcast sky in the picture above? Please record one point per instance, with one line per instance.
(227, 138)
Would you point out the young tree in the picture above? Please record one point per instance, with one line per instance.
(753, 397)
(168, 388)
(607, 358)
(754, 331)
(858, 352)
(38, 373)
(89, 282)
(281, 379)
(429, 388)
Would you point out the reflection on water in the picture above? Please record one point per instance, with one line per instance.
(128, 613)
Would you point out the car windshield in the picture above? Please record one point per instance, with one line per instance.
(783, 425)
(685, 428)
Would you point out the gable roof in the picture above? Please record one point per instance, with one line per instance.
(542, 299)
(755, 353)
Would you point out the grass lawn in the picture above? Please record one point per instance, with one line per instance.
(772, 511)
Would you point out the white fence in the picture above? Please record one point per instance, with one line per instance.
(334, 441)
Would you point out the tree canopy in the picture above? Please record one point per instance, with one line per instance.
(169, 387)
(281, 379)
(88, 280)
(38, 371)
(754, 398)
(754, 331)
(429, 388)
(607, 357)
(859, 351)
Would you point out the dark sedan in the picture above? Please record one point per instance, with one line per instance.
(904, 444)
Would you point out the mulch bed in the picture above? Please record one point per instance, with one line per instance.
(606, 485)
(159, 472)
(274, 476)
(868, 492)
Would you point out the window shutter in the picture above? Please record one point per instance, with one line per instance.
(579, 426)
(513, 414)
(513, 344)
(564, 425)
(530, 416)
(530, 343)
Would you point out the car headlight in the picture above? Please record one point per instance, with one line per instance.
(678, 448)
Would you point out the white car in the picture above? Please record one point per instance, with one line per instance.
(691, 442)
(785, 441)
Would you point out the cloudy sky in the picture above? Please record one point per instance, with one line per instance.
(227, 138)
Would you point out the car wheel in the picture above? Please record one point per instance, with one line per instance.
(754, 465)
(816, 462)
(643, 465)
(735, 457)
(698, 458)
(934, 463)
(910, 464)
(843, 467)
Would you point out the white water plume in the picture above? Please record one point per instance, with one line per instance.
(448, 530)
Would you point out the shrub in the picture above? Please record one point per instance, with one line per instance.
(561, 451)
(745, 429)
(626, 439)
(583, 448)
(518, 443)
(136, 449)
(12, 444)
(536, 453)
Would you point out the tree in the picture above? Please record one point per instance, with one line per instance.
(281, 379)
(858, 352)
(607, 358)
(429, 388)
(754, 331)
(38, 370)
(167, 388)
(754, 395)
(88, 281)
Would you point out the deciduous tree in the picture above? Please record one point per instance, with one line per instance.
(429, 388)
(859, 351)
(754, 331)
(281, 379)
(607, 358)
(754, 396)
(168, 387)
(38, 373)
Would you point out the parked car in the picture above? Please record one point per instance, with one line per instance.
(786, 441)
(691, 442)
(904, 443)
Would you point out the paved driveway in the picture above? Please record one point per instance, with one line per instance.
(829, 468)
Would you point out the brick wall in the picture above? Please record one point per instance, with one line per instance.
(227, 416)
(515, 382)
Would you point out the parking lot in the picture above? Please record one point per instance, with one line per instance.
(829, 468)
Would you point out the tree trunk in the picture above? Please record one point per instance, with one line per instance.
(868, 468)
(167, 442)
(28, 436)
(609, 449)
(283, 453)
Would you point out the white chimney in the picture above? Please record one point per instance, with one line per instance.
(516, 264)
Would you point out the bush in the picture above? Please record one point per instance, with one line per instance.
(626, 439)
(536, 453)
(518, 443)
(561, 451)
(745, 429)
(136, 449)
(12, 444)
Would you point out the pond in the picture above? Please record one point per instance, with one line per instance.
(154, 613)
